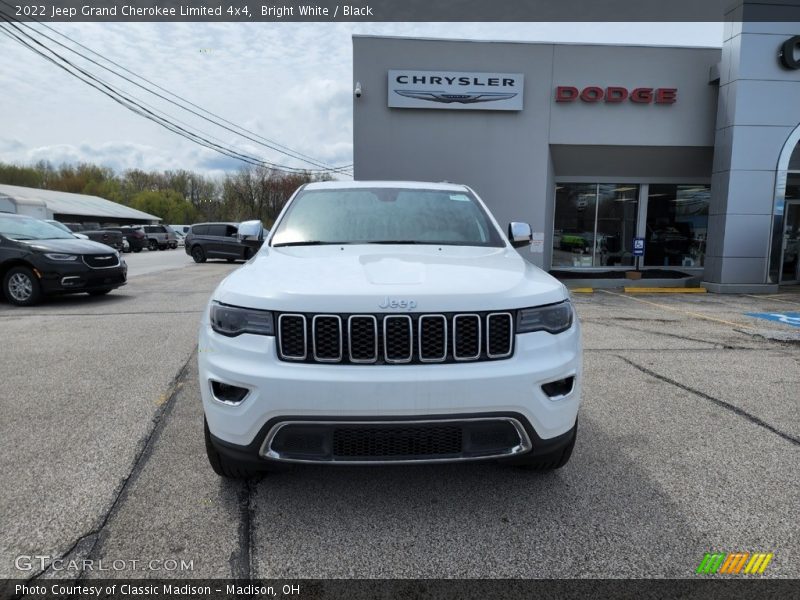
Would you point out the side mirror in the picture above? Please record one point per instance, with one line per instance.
(251, 233)
(251, 229)
(519, 234)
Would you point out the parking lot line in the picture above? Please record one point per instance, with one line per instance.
(772, 298)
(665, 290)
(685, 312)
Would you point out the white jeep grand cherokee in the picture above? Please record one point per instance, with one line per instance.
(388, 322)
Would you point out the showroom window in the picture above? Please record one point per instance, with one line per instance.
(677, 223)
(594, 224)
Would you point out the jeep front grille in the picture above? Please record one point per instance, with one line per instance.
(395, 338)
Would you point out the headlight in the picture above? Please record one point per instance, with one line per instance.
(554, 318)
(62, 257)
(233, 320)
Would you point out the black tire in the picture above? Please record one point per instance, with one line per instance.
(162, 247)
(152, 245)
(225, 467)
(248, 254)
(102, 292)
(548, 462)
(198, 254)
(137, 250)
(21, 287)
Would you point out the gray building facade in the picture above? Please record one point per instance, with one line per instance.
(603, 148)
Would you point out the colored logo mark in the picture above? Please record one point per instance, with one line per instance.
(734, 563)
(789, 318)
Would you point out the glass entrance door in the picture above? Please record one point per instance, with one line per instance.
(594, 224)
(790, 270)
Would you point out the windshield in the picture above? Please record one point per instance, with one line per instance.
(386, 216)
(60, 226)
(17, 228)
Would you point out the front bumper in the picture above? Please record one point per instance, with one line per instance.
(263, 447)
(77, 277)
(279, 390)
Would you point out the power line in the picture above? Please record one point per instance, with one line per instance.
(270, 143)
(137, 108)
(138, 102)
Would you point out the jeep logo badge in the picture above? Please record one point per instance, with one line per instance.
(397, 303)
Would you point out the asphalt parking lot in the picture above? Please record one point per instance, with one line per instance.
(689, 442)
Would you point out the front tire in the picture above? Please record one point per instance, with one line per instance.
(21, 287)
(198, 254)
(137, 250)
(152, 245)
(225, 467)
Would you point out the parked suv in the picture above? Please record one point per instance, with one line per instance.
(38, 259)
(159, 237)
(135, 236)
(217, 240)
(384, 323)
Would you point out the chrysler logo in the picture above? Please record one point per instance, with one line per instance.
(460, 98)
(103, 258)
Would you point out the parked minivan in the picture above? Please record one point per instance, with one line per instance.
(216, 240)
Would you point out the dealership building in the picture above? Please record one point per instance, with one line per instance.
(670, 158)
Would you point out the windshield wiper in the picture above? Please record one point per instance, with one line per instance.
(309, 243)
(402, 242)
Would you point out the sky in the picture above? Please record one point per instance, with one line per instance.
(287, 82)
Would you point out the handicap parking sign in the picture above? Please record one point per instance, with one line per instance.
(638, 246)
(790, 318)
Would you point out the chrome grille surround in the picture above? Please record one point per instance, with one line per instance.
(404, 359)
(420, 325)
(100, 261)
(315, 330)
(460, 317)
(293, 357)
(350, 345)
(489, 320)
(395, 338)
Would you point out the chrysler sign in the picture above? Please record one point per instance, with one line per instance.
(455, 90)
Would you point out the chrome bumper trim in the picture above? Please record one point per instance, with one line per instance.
(524, 445)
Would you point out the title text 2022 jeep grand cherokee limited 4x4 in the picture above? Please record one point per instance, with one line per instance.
(388, 322)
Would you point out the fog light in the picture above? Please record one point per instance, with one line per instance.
(556, 389)
(228, 394)
(71, 280)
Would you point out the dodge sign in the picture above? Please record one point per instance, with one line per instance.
(455, 90)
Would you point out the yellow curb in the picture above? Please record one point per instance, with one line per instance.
(582, 290)
(664, 290)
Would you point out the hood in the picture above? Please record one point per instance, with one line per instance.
(68, 246)
(373, 279)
